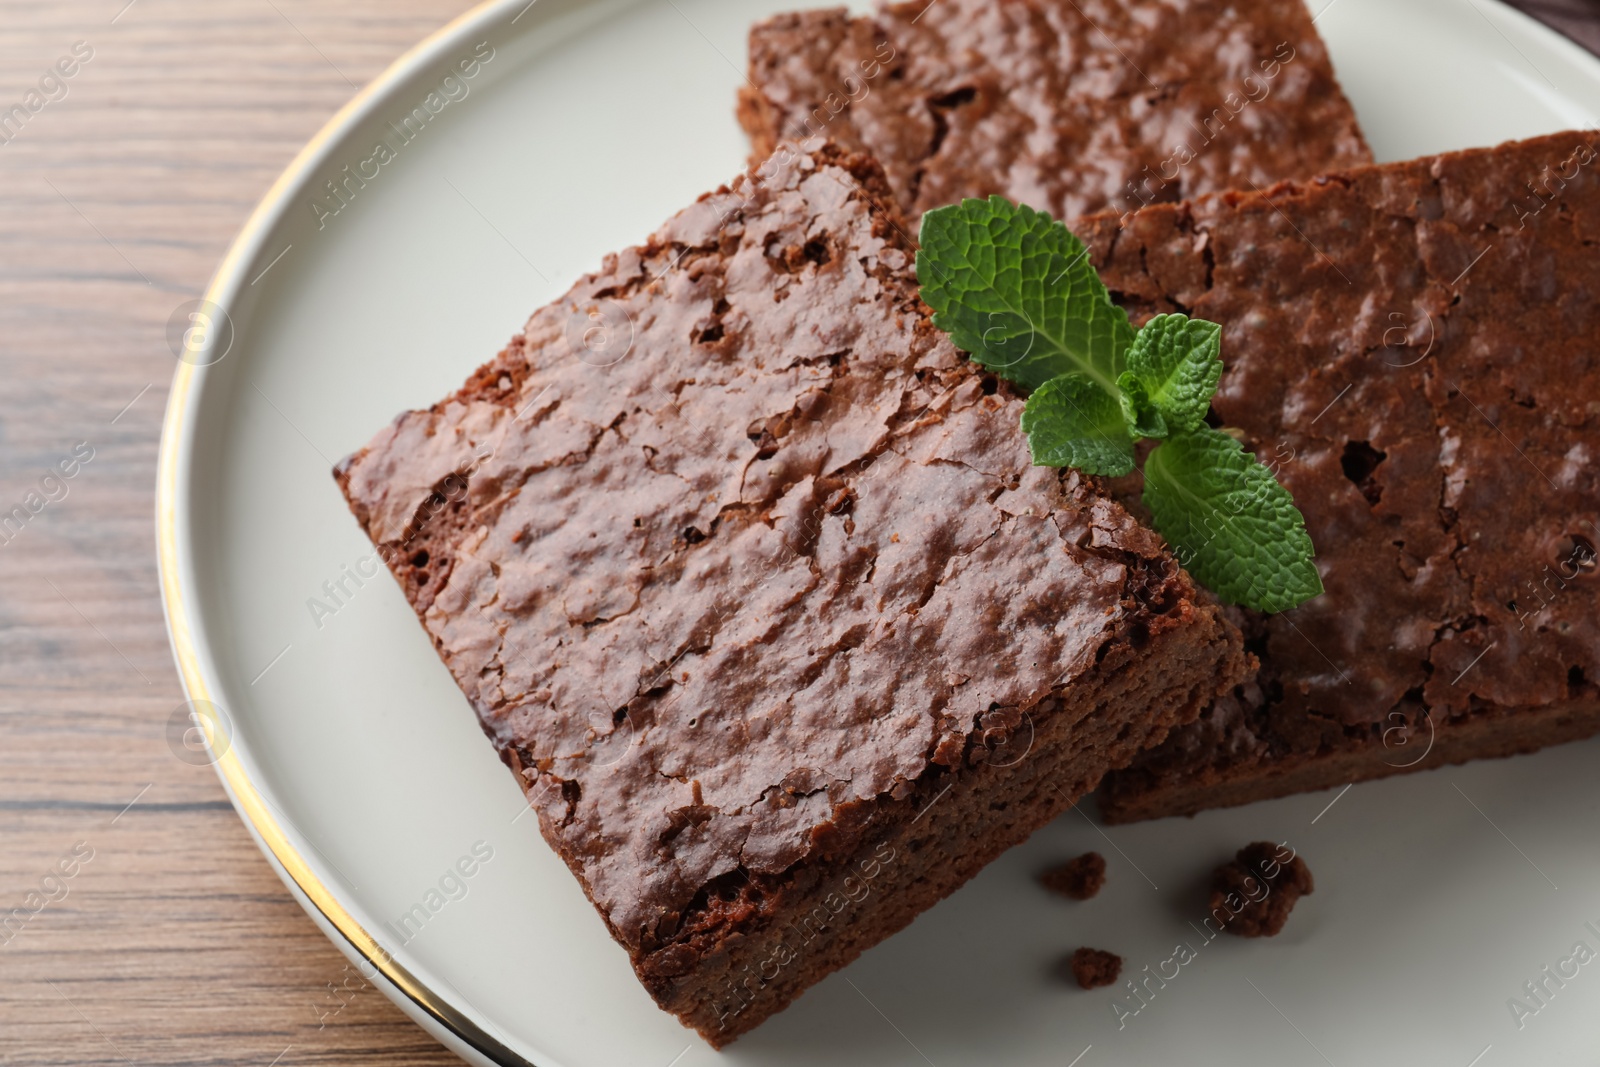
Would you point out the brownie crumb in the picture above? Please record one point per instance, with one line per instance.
(1093, 967)
(1253, 895)
(1079, 878)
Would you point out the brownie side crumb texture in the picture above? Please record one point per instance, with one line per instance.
(747, 575)
(1258, 889)
(825, 913)
(1079, 878)
(1411, 348)
(1092, 967)
(1071, 106)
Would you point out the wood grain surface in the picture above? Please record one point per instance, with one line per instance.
(138, 923)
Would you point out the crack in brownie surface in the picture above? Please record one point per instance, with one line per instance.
(740, 593)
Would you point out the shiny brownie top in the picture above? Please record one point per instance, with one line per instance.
(1070, 106)
(730, 548)
(1412, 348)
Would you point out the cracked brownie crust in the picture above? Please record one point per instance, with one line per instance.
(1412, 348)
(746, 574)
(1070, 106)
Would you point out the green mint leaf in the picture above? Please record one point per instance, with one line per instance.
(1142, 417)
(1229, 522)
(1072, 422)
(1178, 360)
(1015, 289)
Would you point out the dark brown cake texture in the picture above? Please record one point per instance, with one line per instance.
(1092, 967)
(1070, 106)
(1253, 894)
(1412, 347)
(746, 573)
(1080, 878)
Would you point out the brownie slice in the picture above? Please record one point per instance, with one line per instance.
(1070, 106)
(745, 571)
(1412, 348)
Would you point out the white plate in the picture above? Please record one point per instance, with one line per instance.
(362, 771)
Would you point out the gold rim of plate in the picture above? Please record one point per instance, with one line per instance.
(247, 800)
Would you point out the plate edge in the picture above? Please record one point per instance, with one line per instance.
(307, 887)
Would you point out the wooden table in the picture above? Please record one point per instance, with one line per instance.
(171, 942)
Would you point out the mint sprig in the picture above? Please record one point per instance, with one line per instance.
(1229, 521)
(1015, 289)
(1072, 422)
(1178, 362)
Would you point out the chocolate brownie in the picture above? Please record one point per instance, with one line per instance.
(1412, 348)
(1093, 967)
(1080, 878)
(1253, 894)
(1070, 106)
(745, 571)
